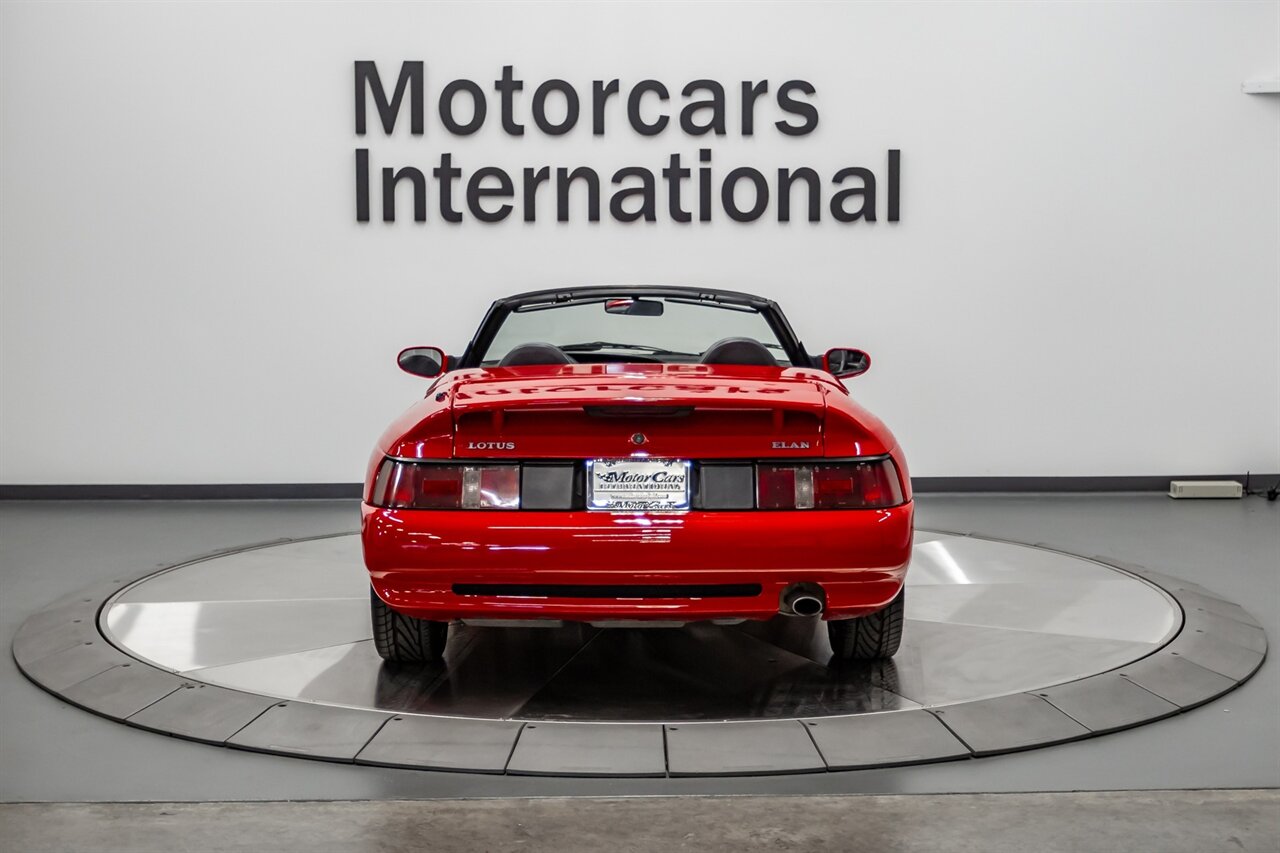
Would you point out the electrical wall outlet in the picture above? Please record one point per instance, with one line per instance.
(1205, 489)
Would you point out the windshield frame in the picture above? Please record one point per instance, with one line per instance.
(551, 299)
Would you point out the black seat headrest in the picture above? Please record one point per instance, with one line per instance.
(739, 351)
(535, 353)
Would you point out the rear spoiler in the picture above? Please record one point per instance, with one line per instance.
(637, 397)
(498, 411)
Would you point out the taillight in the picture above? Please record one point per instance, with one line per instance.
(410, 485)
(839, 485)
(784, 487)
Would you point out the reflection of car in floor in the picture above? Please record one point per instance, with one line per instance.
(636, 456)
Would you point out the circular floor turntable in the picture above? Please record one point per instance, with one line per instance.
(1006, 647)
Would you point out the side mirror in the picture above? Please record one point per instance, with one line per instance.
(845, 362)
(427, 362)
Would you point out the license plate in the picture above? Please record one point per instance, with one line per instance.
(637, 484)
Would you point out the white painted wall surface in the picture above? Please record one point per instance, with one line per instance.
(1085, 280)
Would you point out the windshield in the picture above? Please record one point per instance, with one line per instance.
(599, 331)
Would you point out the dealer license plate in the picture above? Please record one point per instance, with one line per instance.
(637, 484)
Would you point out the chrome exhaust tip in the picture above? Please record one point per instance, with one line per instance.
(803, 600)
(806, 605)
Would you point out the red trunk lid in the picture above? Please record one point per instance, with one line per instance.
(685, 411)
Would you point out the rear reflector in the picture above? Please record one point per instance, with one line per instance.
(491, 487)
(431, 487)
(776, 487)
(842, 485)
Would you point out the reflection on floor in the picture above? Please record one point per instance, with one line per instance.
(985, 618)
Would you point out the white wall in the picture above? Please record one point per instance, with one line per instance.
(1085, 280)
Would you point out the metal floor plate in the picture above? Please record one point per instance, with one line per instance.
(315, 731)
(122, 691)
(740, 749)
(589, 749)
(442, 743)
(202, 712)
(882, 740)
(1107, 702)
(1006, 647)
(1017, 721)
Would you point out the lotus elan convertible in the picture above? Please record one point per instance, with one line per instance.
(636, 456)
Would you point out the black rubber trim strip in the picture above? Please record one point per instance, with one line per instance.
(553, 590)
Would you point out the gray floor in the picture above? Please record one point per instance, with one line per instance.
(1142, 822)
(54, 752)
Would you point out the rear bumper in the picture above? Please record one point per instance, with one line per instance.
(417, 559)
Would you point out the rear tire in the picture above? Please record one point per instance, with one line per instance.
(405, 639)
(872, 637)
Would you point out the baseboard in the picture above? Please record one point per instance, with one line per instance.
(1154, 483)
(351, 491)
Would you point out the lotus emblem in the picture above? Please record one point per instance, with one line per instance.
(639, 438)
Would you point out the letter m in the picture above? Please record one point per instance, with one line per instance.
(411, 77)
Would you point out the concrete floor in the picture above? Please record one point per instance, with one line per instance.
(1147, 822)
(51, 751)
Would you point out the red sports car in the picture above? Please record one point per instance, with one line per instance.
(636, 456)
